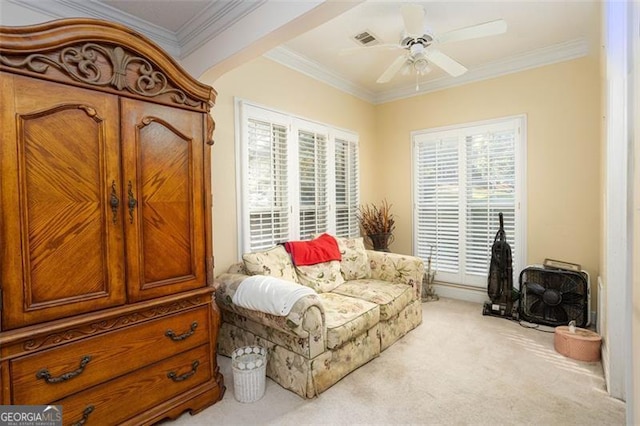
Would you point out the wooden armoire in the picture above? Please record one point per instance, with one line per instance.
(106, 257)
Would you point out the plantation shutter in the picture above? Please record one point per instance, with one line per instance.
(463, 178)
(346, 171)
(267, 185)
(288, 178)
(437, 202)
(312, 176)
(490, 190)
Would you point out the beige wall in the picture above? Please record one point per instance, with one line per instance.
(635, 293)
(267, 83)
(562, 105)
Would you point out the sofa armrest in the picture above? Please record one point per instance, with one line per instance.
(305, 319)
(397, 268)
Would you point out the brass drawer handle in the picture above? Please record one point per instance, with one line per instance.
(85, 416)
(170, 334)
(173, 376)
(46, 375)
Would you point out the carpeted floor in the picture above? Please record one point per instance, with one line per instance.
(458, 367)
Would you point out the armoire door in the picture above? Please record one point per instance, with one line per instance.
(163, 177)
(61, 223)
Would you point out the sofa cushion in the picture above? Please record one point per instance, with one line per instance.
(274, 262)
(354, 264)
(238, 268)
(392, 298)
(347, 317)
(321, 277)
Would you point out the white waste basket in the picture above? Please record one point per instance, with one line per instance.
(249, 365)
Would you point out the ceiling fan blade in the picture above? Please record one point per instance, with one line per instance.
(443, 61)
(475, 31)
(413, 16)
(352, 50)
(395, 66)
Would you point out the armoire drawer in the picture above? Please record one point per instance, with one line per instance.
(55, 373)
(119, 399)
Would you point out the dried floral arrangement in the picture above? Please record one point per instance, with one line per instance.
(377, 220)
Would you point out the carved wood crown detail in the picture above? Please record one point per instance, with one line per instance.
(83, 63)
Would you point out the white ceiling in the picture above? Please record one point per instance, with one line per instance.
(558, 27)
(539, 32)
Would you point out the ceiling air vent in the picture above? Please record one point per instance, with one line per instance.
(366, 38)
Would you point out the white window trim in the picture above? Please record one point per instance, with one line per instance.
(521, 183)
(298, 124)
(242, 158)
(293, 123)
(349, 137)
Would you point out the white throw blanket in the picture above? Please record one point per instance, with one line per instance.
(269, 294)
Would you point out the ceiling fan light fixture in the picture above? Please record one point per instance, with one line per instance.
(420, 45)
(426, 70)
(421, 65)
(416, 49)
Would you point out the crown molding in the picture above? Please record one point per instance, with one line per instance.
(213, 21)
(37, 7)
(569, 50)
(92, 9)
(317, 71)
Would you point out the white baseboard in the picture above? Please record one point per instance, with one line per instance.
(479, 295)
(461, 292)
(600, 328)
(604, 357)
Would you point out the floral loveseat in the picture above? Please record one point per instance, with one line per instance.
(362, 305)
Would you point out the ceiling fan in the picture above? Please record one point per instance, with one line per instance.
(419, 44)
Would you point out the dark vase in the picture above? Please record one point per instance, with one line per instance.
(381, 241)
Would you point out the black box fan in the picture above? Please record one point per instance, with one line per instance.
(554, 296)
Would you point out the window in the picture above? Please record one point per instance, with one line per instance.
(267, 183)
(346, 178)
(312, 173)
(463, 177)
(297, 178)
